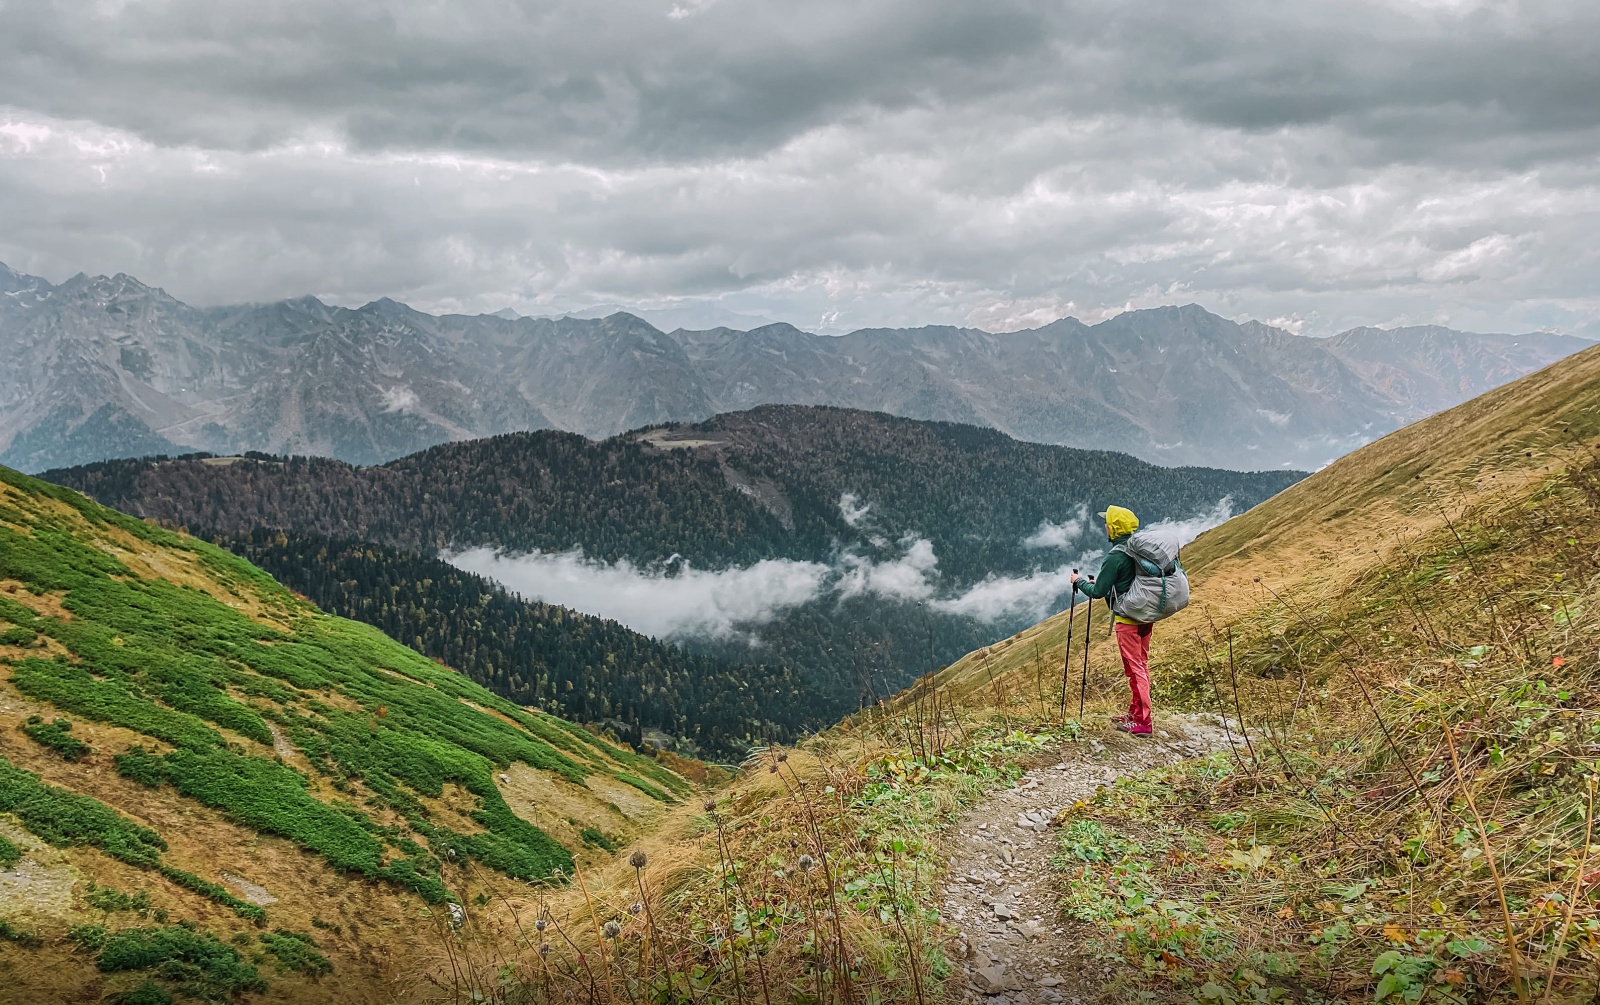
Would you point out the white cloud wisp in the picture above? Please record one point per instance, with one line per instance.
(650, 600)
(686, 602)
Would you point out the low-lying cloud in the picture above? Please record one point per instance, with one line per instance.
(680, 601)
(1060, 536)
(852, 509)
(1188, 529)
(908, 577)
(652, 600)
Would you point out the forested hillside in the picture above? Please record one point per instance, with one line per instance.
(581, 667)
(735, 489)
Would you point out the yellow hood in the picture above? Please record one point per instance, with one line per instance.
(1120, 521)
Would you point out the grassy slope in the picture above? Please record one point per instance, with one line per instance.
(233, 729)
(1444, 574)
(1288, 871)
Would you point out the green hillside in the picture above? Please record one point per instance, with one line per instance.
(179, 735)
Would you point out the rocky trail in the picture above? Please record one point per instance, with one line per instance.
(1001, 895)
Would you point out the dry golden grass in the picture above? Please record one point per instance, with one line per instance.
(1332, 526)
(800, 849)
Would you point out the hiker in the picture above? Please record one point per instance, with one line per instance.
(1128, 561)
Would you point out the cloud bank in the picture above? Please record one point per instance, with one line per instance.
(835, 164)
(1059, 536)
(690, 603)
(684, 602)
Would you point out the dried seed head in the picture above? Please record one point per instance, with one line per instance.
(638, 860)
(538, 926)
(544, 949)
(805, 863)
(783, 755)
(772, 769)
(611, 930)
(711, 805)
(635, 908)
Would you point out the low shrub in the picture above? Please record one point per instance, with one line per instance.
(595, 839)
(28, 940)
(295, 951)
(57, 736)
(145, 993)
(197, 960)
(104, 898)
(211, 891)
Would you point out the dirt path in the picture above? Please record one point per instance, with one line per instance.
(1001, 894)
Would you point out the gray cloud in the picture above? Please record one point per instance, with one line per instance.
(834, 164)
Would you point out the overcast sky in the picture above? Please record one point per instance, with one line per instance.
(834, 164)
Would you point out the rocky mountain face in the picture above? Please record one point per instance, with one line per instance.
(106, 367)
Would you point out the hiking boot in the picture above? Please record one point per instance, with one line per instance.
(1127, 727)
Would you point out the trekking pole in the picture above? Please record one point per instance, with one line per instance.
(1083, 688)
(1066, 657)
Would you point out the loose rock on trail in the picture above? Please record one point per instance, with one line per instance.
(1002, 896)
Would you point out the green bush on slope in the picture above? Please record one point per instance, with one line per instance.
(202, 964)
(57, 736)
(65, 819)
(295, 951)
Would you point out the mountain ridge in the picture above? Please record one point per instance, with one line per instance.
(383, 380)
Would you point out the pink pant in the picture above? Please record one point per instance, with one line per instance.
(1133, 641)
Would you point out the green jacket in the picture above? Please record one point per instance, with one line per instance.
(1116, 574)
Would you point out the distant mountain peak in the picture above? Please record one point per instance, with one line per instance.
(1174, 384)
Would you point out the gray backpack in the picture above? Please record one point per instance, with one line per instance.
(1160, 586)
